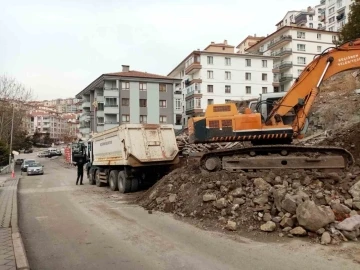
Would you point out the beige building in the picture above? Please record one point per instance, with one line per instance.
(247, 43)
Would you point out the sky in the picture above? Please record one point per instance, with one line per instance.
(57, 48)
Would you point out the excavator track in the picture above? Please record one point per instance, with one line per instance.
(264, 157)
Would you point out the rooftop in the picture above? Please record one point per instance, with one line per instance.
(137, 74)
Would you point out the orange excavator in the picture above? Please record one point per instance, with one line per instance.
(272, 135)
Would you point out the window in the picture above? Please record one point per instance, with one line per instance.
(301, 35)
(248, 62)
(142, 86)
(125, 102)
(125, 85)
(282, 88)
(210, 101)
(227, 75)
(210, 60)
(100, 120)
(310, 17)
(125, 118)
(110, 102)
(162, 119)
(301, 60)
(162, 87)
(332, 19)
(177, 104)
(301, 47)
(210, 74)
(142, 102)
(264, 90)
(311, 25)
(248, 76)
(227, 89)
(227, 100)
(319, 36)
(331, 10)
(197, 103)
(227, 61)
(210, 88)
(264, 63)
(318, 48)
(264, 77)
(248, 89)
(162, 103)
(143, 119)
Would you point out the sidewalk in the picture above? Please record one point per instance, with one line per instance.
(12, 252)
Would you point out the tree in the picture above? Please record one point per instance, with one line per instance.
(4, 154)
(47, 139)
(36, 138)
(351, 30)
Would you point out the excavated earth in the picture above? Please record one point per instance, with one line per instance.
(322, 205)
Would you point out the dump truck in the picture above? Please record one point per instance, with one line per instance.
(129, 155)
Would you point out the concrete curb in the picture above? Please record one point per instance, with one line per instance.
(19, 249)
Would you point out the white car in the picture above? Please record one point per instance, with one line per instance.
(35, 168)
(41, 154)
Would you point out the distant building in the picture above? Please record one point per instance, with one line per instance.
(216, 75)
(247, 43)
(128, 96)
(337, 13)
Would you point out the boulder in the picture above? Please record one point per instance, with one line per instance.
(278, 193)
(287, 222)
(298, 231)
(220, 204)
(231, 226)
(289, 204)
(355, 191)
(261, 184)
(261, 199)
(349, 203)
(268, 227)
(313, 217)
(356, 204)
(353, 213)
(276, 219)
(349, 224)
(208, 197)
(325, 238)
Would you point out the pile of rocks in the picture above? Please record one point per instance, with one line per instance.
(321, 205)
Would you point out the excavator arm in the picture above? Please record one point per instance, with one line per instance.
(301, 95)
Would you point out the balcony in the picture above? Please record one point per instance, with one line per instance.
(282, 52)
(286, 78)
(86, 104)
(341, 9)
(279, 41)
(276, 82)
(283, 65)
(194, 67)
(111, 92)
(111, 109)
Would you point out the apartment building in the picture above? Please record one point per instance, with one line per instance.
(294, 48)
(247, 43)
(217, 75)
(336, 13)
(128, 96)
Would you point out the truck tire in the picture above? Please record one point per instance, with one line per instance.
(134, 184)
(113, 180)
(124, 183)
(91, 177)
(97, 179)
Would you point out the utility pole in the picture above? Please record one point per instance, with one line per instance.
(11, 134)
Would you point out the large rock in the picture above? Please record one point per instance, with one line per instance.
(231, 226)
(289, 204)
(355, 191)
(261, 184)
(298, 231)
(287, 222)
(313, 217)
(278, 193)
(341, 211)
(261, 199)
(208, 197)
(220, 204)
(349, 224)
(268, 227)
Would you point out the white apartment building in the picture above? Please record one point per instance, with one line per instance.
(336, 13)
(217, 75)
(294, 48)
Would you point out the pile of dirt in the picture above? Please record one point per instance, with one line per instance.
(290, 202)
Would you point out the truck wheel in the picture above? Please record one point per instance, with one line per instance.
(91, 177)
(134, 184)
(113, 180)
(124, 183)
(97, 179)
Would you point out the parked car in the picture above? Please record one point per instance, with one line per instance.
(35, 168)
(19, 161)
(26, 164)
(42, 154)
(53, 153)
(26, 151)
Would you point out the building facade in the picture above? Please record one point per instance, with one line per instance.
(217, 75)
(336, 13)
(295, 48)
(247, 43)
(127, 97)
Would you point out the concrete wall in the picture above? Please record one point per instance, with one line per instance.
(153, 97)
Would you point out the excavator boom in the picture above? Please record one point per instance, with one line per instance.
(272, 135)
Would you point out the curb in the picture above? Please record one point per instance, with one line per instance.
(19, 249)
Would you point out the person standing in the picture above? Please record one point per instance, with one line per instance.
(80, 171)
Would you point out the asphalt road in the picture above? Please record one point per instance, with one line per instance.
(65, 226)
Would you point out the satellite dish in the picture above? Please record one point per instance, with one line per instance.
(15, 153)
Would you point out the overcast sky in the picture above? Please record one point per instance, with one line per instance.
(58, 47)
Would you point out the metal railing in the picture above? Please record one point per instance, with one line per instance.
(279, 40)
(282, 52)
(286, 77)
